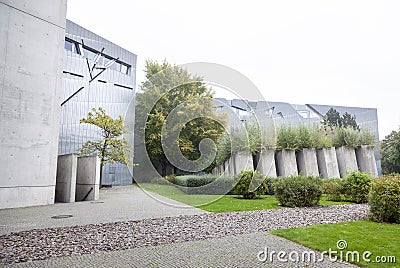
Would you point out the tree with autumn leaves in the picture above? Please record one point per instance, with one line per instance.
(169, 88)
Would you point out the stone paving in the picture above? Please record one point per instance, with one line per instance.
(116, 204)
(231, 251)
(231, 246)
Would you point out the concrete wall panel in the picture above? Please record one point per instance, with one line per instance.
(307, 163)
(66, 178)
(88, 177)
(286, 163)
(31, 54)
(266, 163)
(327, 163)
(366, 160)
(242, 160)
(347, 161)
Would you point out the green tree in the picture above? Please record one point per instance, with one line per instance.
(390, 153)
(349, 120)
(333, 119)
(111, 147)
(168, 87)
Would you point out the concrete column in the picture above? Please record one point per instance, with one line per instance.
(266, 163)
(231, 162)
(286, 163)
(87, 178)
(346, 157)
(227, 168)
(327, 163)
(66, 178)
(243, 160)
(307, 163)
(366, 160)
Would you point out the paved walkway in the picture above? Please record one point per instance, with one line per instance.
(231, 251)
(116, 204)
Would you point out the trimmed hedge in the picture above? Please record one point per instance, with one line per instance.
(356, 186)
(384, 199)
(250, 184)
(333, 188)
(204, 184)
(298, 191)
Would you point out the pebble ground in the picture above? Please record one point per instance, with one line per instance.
(42, 244)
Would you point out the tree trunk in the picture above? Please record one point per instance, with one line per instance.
(103, 152)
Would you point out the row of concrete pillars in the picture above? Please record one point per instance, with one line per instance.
(326, 162)
(78, 178)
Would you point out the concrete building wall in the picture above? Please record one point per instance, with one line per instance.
(31, 55)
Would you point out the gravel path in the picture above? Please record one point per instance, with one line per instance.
(88, 239)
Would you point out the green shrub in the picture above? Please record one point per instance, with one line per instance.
(333, 188)
(356, 186)
(287, 138)
(384, 199)
(349, 137)
(299, 191)
(269, 186)
(323, 137)
(204, 184)
(224, 149)
(170, 178)
(246, 183)
(367, 138)
(305, 137)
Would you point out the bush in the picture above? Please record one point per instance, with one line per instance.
(246, 183)
(356, 186)
(287, 139)
(299, 191)
(333, 188)
(384, 199)
(349, 137)
(269, 186)
(170, 178)
(204, 184)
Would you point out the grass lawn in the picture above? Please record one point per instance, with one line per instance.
(218, 203)
(379, 238)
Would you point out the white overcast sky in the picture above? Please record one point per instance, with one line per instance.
(323, 52)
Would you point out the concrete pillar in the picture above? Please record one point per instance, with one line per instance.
(327, 163)
(286, 163)
(307, 163)
(347, 161)
(66, 178)
(243, 160)
(231, 162)
(266, 163)
(366, 160)
(227, 168)
(87, 178)
(32, 37)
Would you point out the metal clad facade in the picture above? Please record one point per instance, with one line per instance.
(113, 90)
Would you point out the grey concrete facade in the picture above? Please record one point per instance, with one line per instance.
(266, 163)
(327, 163)
(366, 160)
(347, 161)
(66, 178)
(286, 163)
(31, 54)
(307, 164)
(87, 179)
